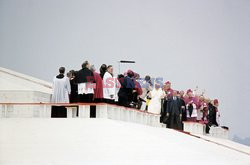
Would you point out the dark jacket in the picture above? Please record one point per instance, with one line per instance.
(84, 75)
(174, 106)
(127, 86)
(212, 110)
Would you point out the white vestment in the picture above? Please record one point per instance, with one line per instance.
(60, 90)
(155, 102)
(194, 112)
(86, 88)
(109, 86)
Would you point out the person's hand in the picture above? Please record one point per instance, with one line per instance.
(167, 114)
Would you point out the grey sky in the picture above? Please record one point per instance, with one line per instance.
(189, 42)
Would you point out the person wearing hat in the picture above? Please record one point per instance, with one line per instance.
(168, 90)
(191, 105)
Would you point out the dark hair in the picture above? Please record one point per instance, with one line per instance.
(147, 78)
(62, 70)
(73, 73)
(109, 66)
(103, 69)
(84, 65)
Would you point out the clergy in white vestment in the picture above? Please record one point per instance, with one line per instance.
(155, 103)
(60, 93)
(109, 85)
(61, 88)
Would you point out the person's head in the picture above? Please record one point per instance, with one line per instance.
(178, 94)
(201, 98)
(207, 100)
(216, 102)
(157, 86)
(136, 76)
(175, 93)
(110, 69)
(189, 93)
(92, 68)
(72, 73)
(103, 68)
(62, 70)
(85, 65)
(69, 75)
(130, 73)
(182, 93)
(167, 85)
(147, 78)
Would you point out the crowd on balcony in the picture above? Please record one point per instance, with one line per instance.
(130, 90)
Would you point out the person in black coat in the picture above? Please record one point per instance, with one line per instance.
(174, 112)
(85, 77)
(183, 106)
(74, 88)
(125, 93)
(103, 70)
(212, 114)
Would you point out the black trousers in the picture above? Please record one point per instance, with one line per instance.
(123, 101)
(175, 122)
(85, 98)
(58, 112)
(109, 101)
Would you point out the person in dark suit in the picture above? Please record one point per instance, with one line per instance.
(183, 105)
(212, 115)
(126, 91)
(85, 79)
(174, 112)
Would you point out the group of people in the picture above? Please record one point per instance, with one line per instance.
(128, 89)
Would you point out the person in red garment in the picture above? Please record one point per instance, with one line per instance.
(191, 105)
(137, 92)
(168, 90)
(98, 90)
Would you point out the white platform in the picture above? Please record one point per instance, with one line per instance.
(104, 141)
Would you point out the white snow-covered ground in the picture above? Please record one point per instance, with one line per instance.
(103, 141)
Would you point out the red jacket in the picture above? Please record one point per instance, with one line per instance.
(138, 88)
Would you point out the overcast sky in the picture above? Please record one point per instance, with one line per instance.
(189, 42)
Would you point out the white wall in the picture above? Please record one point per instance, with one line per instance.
(15, 96)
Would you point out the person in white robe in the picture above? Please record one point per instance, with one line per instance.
(109, 85)
(155, 103)
(61, 88)
(60, 94)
